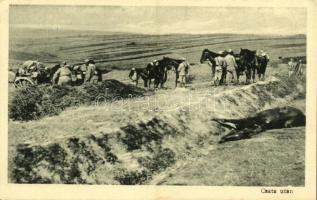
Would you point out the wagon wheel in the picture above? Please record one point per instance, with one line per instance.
(22, 82)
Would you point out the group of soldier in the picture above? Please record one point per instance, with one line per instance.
(226, 63)
(83, 73)
(65, 74)
(295, 69)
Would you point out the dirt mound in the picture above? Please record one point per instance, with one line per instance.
(35, 102)
(139, 151)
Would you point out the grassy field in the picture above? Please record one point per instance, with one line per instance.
(124, 51)
(276, 157)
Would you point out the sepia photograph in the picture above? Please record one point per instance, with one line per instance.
(158, 95)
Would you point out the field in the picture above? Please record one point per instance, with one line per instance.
(162, 138)
(124, 51)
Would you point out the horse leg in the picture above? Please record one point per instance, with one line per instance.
(264, 70)
(253, 75)
(176, 78)
(162, 82)
(156, 82)
(247, 76)
(145, 82)
(259, 74)
(238, 75)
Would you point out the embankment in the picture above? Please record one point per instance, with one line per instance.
(140, 150)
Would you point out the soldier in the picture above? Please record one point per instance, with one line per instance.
(265, 55)
(182, 72)
(231, 65)
(154, 63)
(63, 75)
(299, 69)
(91, 73)
(291, 67)
(220, 63)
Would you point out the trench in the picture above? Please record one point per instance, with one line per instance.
(139, 151)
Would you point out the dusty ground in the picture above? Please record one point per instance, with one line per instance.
(139, 131)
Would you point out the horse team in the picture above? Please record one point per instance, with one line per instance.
(156, 70)
(247, 61)
(222, 63)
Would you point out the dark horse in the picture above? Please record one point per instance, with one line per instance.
(209, 55)
(158, 72)
(145, 73)
(280, 117)
(248, 59)
(46, 74)
(172, 63)
(261, 68)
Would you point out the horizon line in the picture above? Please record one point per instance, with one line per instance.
(59, 28)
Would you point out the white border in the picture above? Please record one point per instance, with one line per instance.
(25, 191)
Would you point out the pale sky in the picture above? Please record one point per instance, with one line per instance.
(162, 20)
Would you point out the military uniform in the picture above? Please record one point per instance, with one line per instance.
(299, 70)
(291, 68)
(221, 66)
(182, 72)
(231, 65)
(63, 75)
(91, 75)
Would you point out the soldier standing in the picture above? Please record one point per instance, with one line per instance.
(63, 75)
(220, 62)
(182, 72)
(291, 67)
(232, 65)
(90, 75)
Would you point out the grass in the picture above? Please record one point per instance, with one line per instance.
(273, 158)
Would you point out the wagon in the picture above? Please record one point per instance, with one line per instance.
(23, 78)
(23, 81)
(44, 75)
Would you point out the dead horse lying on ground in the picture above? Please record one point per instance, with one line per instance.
(280, 117)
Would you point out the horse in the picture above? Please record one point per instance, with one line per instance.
(209, 55)
(46, 74)
(171, 63)
(145, 73)
(248, 59)
(156, 71)
(261, 68)
(279, 117)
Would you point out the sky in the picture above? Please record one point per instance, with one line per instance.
(162, 20)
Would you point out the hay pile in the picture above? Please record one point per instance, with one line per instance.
(35, 102)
